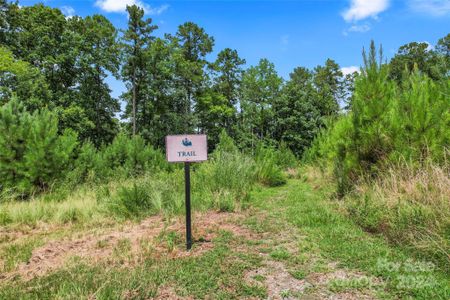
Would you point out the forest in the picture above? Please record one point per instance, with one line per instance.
(372, 145)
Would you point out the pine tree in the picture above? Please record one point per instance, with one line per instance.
(136, 41)
(32, 153)
(14, 130)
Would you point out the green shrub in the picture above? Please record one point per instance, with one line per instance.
(32, 152)
(132, 201)
(268, 171)
(132, 156)
(228, 173)
(116, 154)
(123, 158)
(368, 213)
(89, 166)
(285, 158)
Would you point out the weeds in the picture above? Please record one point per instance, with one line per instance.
(409, 206)
(267, 169)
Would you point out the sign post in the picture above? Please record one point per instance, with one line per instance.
(187, 148)
(187, 191)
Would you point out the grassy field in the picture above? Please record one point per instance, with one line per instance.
(291, 242)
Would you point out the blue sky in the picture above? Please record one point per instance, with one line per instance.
(289, 33)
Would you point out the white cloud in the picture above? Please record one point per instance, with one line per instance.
(432, 7)
(362, 9)
(68, 11)
(120, 6)
(156, 10)
(350, 70)
(359, 28)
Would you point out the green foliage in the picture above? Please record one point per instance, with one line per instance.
(392, 124)
(133, 156)
(33, 154)
(285, 158)
(409, 206)
(23, 80)
(328, 82)
(297, 119)
(214, 112)
(387, 123)
(62, 64)
(418, 56)
(225, 145)
(217, 107)
(132, 202)
(267, 170)
(123, 158)
(261, 85)
(136, 42)
(4, 218)
(191, 45)
(89, 166)
(227, 178)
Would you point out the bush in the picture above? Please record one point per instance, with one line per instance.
(32, 153)
(268, 171)
(89, 166)
(4, 218)
(228, 173)
(285, 158)
(147, 195)
(132, 156)
(132, 202)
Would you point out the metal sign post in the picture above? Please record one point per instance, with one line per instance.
(187, 149)
(187, 189)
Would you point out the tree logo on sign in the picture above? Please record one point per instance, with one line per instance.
(186, 142)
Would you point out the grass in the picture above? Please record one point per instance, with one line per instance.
(332, 236)
(18, 252)
(217, 274)
(303, 230)
(409, 206)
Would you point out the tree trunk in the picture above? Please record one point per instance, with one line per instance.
(134, 102)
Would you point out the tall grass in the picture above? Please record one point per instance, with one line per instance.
(79, 206)
(410, 206)
(268, 169)
(225, 181)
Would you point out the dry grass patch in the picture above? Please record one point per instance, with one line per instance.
(153, 236)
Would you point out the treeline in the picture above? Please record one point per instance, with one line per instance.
(57, 109)
(60, 64)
